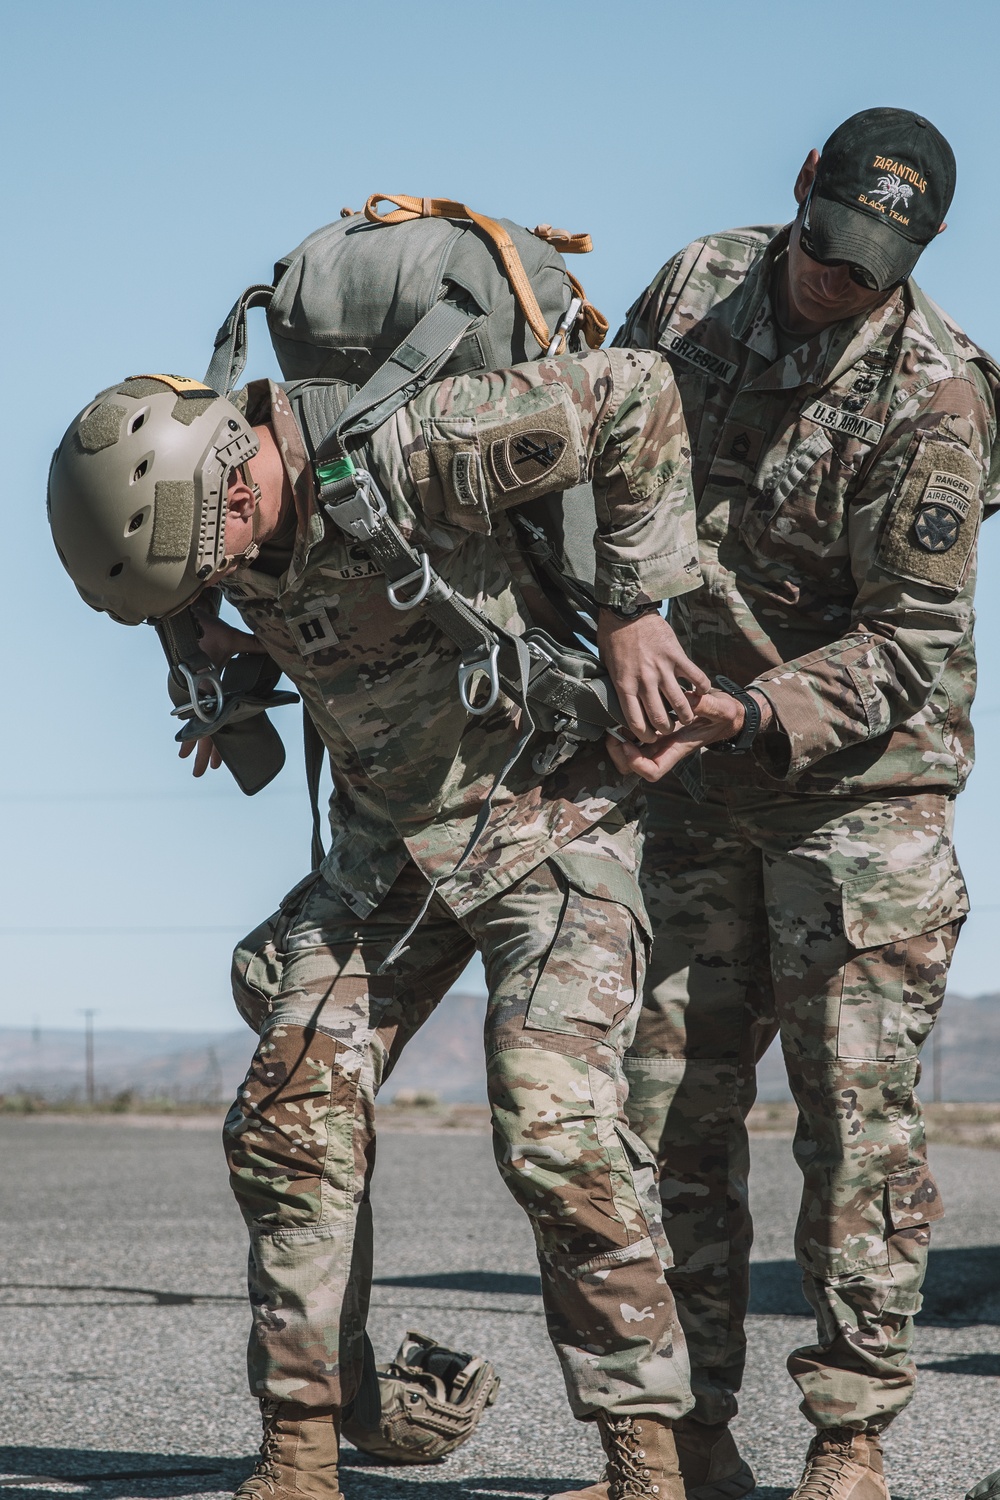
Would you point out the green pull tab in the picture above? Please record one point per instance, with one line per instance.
(335, 470)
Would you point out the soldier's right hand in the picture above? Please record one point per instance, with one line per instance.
(206, 757)
(220, 641)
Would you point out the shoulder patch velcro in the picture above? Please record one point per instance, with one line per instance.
(933, 525)
(507, 463)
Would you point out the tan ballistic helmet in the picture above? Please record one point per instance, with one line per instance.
(137, 493)
(432, 1399)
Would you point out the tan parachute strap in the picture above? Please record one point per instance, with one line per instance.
(592, 320)
(446, 208)
(563, 241)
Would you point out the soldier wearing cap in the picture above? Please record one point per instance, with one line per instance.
(842, 431)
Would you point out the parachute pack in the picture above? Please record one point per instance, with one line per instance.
(381, 305)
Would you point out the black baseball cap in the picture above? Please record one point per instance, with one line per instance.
(883, 186)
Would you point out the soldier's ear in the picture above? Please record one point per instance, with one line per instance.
(806, 177)
(943, 227)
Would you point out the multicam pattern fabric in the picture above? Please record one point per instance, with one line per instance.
(550, 896)
(840, 488)
(832, 922)
(410, 766)
(815, 475)
(300, 1138)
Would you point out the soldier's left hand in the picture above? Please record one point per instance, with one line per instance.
(717, 716)
(646, 663)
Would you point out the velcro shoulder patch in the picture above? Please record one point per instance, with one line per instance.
(934, 523)
(508, 462)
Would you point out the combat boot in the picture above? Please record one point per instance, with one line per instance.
(642, 1458)
(843, 1464)
(298, 1454)
(710, 1465)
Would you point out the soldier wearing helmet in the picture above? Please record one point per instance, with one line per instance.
(454, 828)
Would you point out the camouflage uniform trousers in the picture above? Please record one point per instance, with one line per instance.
(831, 921)
(564, 962)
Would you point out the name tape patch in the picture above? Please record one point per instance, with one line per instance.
(839, 420)
(695, 354)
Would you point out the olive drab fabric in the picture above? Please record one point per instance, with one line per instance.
(411, 767)
(815, 893)
(549, 897)
(349, 295)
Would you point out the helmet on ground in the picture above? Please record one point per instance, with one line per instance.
(137, 494)
(432, 1399)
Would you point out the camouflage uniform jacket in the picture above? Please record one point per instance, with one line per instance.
(840, 491)
(410, 768)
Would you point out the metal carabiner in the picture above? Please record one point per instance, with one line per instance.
(489, 667)
(205, 689)
(423, 573)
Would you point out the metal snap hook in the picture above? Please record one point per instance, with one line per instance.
(423, 573)
(489, 667)
(205, 692)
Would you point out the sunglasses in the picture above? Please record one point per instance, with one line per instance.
(858, 274)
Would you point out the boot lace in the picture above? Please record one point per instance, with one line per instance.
(627, 1472)
(263, 1479)
(830, 1455)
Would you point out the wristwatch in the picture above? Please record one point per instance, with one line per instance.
(633, 611)
(741, 742)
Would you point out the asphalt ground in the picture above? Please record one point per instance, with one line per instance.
(124, 1321)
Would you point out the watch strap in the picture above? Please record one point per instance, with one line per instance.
(741, 742)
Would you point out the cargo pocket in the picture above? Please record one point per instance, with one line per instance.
(913, 1201)
(912, 1204)
(901, 928)
(591, 978)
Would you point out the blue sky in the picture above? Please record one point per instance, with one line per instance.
(159, 158)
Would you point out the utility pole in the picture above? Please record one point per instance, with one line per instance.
(88, 1045)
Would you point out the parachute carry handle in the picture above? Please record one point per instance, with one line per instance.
(408, 208)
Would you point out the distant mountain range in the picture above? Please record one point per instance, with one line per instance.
(445, 1059)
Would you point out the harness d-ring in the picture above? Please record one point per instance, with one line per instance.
(206, 701)
(424, 575)
(489, 666)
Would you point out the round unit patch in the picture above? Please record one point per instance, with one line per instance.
(936, 528)
(525, 457)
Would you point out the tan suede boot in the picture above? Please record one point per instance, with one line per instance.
(843, 1464)
(642, 1458)
(710, 1461)
(298, 1454)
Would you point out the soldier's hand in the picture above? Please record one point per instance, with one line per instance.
(206, 757)
(220, 641)
(653, 676)
(717, 716)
